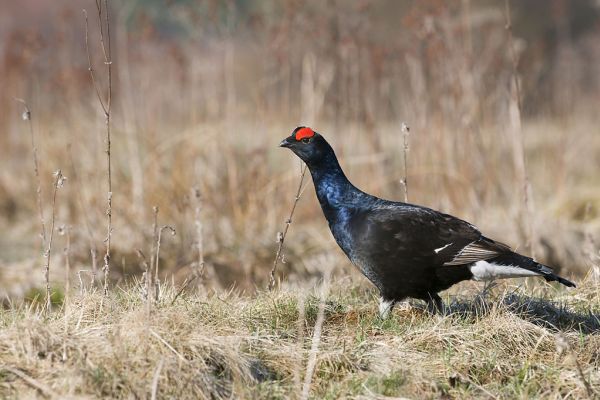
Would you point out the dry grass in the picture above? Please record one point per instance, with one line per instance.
(193, 128)
(224, 345)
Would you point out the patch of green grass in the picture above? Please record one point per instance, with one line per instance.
(38, 296)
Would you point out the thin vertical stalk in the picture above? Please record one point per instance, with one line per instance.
(27, 117)
(106, 108)
(199, 271)
(316, 339)
(405, 132)
(157, 258)
(520, 158)
(67, 299)
(86, 218)
(281, 235)
(59, 180)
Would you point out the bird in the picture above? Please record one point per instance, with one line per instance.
(405, 250)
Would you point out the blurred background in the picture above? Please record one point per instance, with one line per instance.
(203, 92)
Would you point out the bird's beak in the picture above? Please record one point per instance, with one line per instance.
(285, 143)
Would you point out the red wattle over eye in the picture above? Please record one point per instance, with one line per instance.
(304, 133)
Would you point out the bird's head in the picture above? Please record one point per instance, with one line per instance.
(307, 144)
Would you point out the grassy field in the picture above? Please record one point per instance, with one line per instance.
(503, 133)
(516, 342)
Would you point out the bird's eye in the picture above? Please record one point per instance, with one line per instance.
(305, 140)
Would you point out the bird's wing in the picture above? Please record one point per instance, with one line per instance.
(425, 234)
(478, 250)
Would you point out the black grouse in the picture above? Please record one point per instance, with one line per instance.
(405, 250)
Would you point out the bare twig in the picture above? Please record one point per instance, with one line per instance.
(299, 344)
(81, 284)
(156, 378)
(281, 235)
(154, 236)
(316, 339)
(153, 250)
(147, 281)
(43, 389)
(90, 67)
(66, 230)
(27, 117)
(91, 239)
(405, 132)
(59, 181)
(199, 271)
(158, 241)
(520, 159)
(163, 341)
(185, 284)
(563, 346)
(106, 107)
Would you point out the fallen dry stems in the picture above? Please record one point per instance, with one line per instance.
(43, 389)
(281, 235)
(156, 378)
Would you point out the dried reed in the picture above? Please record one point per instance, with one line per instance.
(106, 108)
(59, 181)
(281, 235)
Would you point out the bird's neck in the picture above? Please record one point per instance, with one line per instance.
(334, 190)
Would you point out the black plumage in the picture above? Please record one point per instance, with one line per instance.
(405, 250)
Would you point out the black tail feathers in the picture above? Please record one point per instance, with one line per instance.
(549, 275)
(556, 278)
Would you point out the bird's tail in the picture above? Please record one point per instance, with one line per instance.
(550, 276)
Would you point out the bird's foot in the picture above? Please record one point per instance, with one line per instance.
(435, 305)
(385, 307)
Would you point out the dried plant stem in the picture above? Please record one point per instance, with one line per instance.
(563, 347)
(156, 378)
(316, 340)
(520, 159)
(588, 388)
(106, 107)
(27, 117)
(158, 242)
(299, 343)
(405, 132)
(199, 271)
(67, 307)
(187, 282)
(43, 389)
(281, 236)
(153, 250)
(67, 231)
(86, 218)
(147, 281)
(58, 182)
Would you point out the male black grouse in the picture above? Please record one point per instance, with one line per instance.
(405, 250)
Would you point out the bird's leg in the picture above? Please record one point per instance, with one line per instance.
(385, 306)
(435, 304)
(488, 286)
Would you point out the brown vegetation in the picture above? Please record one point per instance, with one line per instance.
(201, 94)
